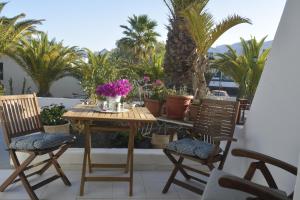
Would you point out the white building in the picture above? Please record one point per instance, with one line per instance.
(9, 69)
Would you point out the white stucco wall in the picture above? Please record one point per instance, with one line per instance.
(273, 124)
(12, 70)
(64, 87)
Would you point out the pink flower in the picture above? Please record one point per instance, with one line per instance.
(158, 82)
(146, 79)
(118, 88)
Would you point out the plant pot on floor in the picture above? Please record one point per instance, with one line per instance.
(160, 141)
(177, 106)
(64, 128)
(154, 106)
(52, 119)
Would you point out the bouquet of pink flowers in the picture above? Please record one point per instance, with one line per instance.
(117, 88)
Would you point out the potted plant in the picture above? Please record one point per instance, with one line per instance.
(113, 91)
(155, 97)
(177, 103)
(52, 120)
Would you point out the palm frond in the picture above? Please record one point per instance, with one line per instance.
(224, 26)
(45, 61)
(244, 69)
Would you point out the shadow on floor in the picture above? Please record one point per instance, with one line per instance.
(4, 159)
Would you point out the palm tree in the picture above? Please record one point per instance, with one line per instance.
(12, 30)
(97, 70)
(140, 36)
(205, 32)
(179, 46)
(244, 69)
(45, 61)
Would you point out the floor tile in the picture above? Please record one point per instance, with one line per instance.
(147, 185)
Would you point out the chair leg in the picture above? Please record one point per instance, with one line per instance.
(27, 186)
(56, 156)
(18, 169)
(59, 170)
(177, 167)
(176, 163)
(210, 166)
(171, 178)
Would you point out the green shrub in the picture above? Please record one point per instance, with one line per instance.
(52, 115)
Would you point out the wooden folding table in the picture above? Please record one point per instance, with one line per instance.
(86, 115)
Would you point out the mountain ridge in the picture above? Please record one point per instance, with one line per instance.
(236, 46)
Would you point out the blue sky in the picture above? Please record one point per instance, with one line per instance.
(95, 23)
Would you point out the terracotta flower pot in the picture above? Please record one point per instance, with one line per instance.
(177, 106)
(153, 106)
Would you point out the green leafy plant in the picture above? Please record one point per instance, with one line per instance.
(182, 91)
(13, 29)
(52, 115)
(46, 61)
(198, 23)
(154, 67)
(157, 91)
(140, 36)
(97, 70)
(24, 90)
(2, 91)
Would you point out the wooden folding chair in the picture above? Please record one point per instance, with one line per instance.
(222, 185)
(215, 123)
(23, 132)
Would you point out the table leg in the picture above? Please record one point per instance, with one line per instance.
(89, 151)
(85, 155)
(128, 159)
(133, 131)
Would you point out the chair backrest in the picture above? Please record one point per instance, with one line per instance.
(19, 115)
(215, 118)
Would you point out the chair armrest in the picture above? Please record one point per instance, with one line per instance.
(224, 138)
(264, 158)
(243, 185)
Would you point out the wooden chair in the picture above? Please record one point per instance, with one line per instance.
(215, 123)
(23, 132)
(244, 105)
(222, 185)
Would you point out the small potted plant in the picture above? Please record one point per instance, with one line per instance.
(155, 97)
(177, 103)
(52, 120)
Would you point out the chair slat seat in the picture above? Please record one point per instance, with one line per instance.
(40, 141)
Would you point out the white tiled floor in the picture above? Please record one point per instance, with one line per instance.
(147, 185)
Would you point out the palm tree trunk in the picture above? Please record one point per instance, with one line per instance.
(200, 66)
(44, 89)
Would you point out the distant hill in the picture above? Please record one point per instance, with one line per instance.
(236, 46)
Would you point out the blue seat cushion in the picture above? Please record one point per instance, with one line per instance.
(191, 147)
(40, 141)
